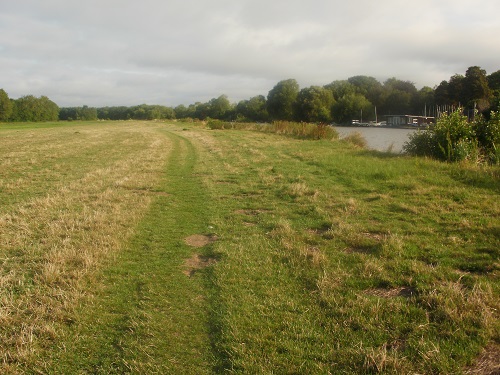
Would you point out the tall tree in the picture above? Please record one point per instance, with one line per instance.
(340, 88)
(494, 80)
(476, 90)
(219, 108)
(441, 94)
(314, 104)
(423, 101)
(281, 100)
(494, 84)
(398, 96)
(456, 90)
(254, 109)
(369, 87)
(181, 111)
(352, 106)
(5, 106)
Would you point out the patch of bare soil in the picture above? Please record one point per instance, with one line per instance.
(200, 240)
(196, 263)
(488, 362)
(391, 293)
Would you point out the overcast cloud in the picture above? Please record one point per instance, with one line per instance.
(170, 52)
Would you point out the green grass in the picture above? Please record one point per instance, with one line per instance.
(328, 259)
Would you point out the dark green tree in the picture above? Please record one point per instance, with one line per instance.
(87, 113)
(494, 84)
(398, 97)
(201, 110)
(423, 101)
(281, 100)
(369, 87)
(353, 106)
(181, 111)
(5, 106)
(494, 80)
(456, 90)
(314, 104)
(219, 108)
(441, 94)
(253, 109)
(340, 88)
(477, 93)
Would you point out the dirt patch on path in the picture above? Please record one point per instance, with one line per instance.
(200, 240)
(196, 263)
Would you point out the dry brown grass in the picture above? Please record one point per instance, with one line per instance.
(62, 220)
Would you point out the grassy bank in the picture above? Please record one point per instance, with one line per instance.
(318, 257)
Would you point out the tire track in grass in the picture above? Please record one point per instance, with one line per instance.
(150, 317)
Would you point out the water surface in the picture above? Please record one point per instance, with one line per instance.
(380, 139)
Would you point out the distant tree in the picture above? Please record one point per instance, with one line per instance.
(494, 84)
(30, 108)
(114, 113)
(423, 101)
(441, 94)
(352, 106)
(253, 109)
(5, 106)
(393, 84)
(340, 88)
(477, 93)
(369, 87)
(84, 113)
(219, 108)
(456, 90)
(398, 96)
(314, 104)
(181, 111)
(25, 109)
(201, 110)
(281, 100)
(494, 80)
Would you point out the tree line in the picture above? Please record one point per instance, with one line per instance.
(339, 101)
(27, 108)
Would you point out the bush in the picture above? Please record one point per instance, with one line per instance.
(421, 143)
(218, 124)
(454, 138)
(488, 137)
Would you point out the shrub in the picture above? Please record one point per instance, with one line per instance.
(488, 137)
(453, 138)
(218, 124)
(420, 143)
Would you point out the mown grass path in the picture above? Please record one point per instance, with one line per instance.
(151, 317)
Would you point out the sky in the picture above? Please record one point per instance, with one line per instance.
(171, 52)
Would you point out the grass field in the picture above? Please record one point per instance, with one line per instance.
(148, 247)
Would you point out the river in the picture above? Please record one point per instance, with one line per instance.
(380, 139)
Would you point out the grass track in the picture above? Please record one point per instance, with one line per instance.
(148, 298)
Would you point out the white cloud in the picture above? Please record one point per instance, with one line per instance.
(110, 52)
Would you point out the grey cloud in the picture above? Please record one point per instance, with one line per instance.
(110, 52)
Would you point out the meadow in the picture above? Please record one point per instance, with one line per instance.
(154, 247)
